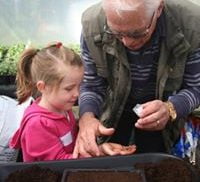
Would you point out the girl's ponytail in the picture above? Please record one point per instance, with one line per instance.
(25, 85)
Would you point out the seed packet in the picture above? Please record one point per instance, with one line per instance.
(138, 109)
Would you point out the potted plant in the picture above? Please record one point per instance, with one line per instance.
(9, 56)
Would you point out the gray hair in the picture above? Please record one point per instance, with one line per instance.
(121, 6)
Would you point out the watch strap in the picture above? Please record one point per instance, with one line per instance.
(172, 110)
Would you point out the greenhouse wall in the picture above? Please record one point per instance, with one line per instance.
(41, 21)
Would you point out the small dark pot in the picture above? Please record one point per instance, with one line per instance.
(8, 86)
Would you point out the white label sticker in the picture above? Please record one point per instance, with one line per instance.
(66, 139)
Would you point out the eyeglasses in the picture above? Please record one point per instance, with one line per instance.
(133, 35)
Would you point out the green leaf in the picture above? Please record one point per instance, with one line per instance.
(9, 56)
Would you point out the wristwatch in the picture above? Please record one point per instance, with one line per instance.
(172, 111)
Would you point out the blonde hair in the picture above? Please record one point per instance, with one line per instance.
(46, 65)
(121, 6)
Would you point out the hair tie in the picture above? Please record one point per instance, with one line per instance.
(58, 45)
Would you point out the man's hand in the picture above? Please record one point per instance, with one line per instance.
(89, 129)
(116, 149)
(154, 116)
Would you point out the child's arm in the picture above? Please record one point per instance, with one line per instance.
(40, 141)
(116, 149)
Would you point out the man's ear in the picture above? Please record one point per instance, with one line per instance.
(40, 86)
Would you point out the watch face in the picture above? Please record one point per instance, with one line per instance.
(172, 111)
(173, 115)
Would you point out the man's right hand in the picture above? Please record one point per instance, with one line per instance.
(89, 129)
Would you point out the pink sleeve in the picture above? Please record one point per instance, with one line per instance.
(40, 141)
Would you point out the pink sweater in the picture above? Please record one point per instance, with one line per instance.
(44, 135)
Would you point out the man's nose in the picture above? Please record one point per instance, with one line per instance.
(127, 41)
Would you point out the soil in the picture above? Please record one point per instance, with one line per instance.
(105, 176)
(171, 170)
(34, 174)
(195, 167)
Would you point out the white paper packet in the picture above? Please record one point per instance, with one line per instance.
(138, 109)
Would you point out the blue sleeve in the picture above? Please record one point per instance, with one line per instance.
(188, 97)
(93, 87)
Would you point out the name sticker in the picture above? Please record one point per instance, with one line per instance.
(66, 139)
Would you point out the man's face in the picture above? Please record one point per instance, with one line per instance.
(132, 28)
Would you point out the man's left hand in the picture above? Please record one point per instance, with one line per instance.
(154, 116)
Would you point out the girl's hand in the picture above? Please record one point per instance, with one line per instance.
(116, 149)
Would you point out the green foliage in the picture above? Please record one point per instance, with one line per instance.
(9, 56)
(75, 47)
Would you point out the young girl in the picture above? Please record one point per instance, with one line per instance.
(48, 129)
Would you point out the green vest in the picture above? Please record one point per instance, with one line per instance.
(109, 55)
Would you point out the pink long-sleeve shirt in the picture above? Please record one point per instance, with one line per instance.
(45, 135)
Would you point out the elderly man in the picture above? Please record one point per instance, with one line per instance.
(138, 52)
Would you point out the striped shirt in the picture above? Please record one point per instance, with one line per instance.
(143, 68)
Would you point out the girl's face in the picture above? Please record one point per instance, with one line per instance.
(64, 97)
